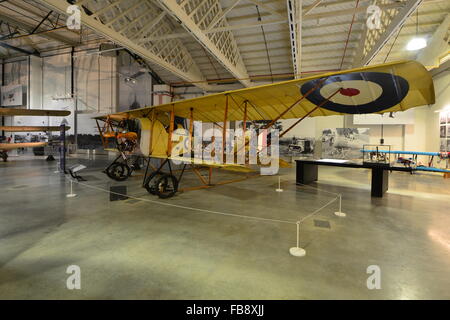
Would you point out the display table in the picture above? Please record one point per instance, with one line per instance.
(307, 172)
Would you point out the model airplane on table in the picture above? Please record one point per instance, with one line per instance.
(383, 88)
(412, 162)
(5, 147)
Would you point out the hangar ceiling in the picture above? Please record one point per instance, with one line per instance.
(248, 42)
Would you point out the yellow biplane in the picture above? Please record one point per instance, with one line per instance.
(379, 89)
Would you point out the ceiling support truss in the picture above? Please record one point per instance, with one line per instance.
(130, 23)
(373, 40)
(197, 16)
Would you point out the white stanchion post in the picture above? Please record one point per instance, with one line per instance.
(340, 213)
(297, 251)
(57, 167)
(279, 185)
(71, 194)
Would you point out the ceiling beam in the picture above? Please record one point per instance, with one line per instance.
(308, 9)
(326, 14)
(436, 46)
(7, 46)
(29, 27)
(267, 8)
(223, 14)
(311, 30)
(247, 25)
(189, 73)
(315, 16)
(294, 10)
(225, 51)
(400, 18)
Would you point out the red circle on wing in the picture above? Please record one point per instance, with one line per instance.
(349, 92)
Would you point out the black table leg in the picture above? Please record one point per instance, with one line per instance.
(306, 173)
(380, 182)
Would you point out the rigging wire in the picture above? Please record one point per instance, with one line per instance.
(265, 43)
(211, 63)
(393, 43)
(348, 36)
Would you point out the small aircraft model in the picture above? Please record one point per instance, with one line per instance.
(412, 162)
(407, 162)
(152, 131)
(5, 147)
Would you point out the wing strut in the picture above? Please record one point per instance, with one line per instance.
(318, 84)
(245, 116)
(224, 129)
(172, 120)
(301, 119)
(191, 129)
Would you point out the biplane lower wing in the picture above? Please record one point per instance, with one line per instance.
(5, 147)
(13, 146)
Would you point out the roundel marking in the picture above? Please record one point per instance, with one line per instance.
(359, 92)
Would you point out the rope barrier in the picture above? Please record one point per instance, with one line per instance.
(295, 251)
(186, 207)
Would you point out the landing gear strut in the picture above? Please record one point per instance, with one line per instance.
(163, 185)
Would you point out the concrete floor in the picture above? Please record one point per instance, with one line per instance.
(147, 250)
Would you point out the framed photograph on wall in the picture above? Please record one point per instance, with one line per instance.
(442, 118)
(443, 145)
(11, 95)
(344, 143)
(443, 132)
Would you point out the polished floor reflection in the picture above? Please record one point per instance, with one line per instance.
(143, 249)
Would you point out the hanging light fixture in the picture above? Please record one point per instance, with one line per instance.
(417, 42)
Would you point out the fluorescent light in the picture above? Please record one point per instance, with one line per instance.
(416, 44)
(444, 109)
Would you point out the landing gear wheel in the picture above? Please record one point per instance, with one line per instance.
(119, 171)
(147, 184)
(4, 156)
(166, 186)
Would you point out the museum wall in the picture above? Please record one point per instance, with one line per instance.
(135, 84)
(442, 89)
(99, 88)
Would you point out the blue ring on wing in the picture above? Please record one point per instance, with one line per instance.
(395, 89)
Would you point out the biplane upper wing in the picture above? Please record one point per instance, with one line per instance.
(383, 88)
